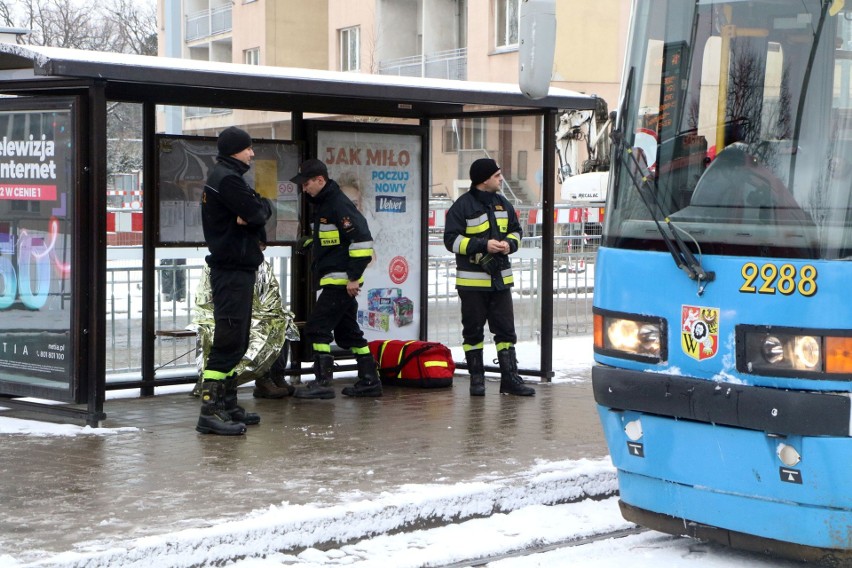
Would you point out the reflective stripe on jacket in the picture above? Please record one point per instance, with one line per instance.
(342, 245)
(471, 221)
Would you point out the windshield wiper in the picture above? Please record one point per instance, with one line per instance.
(683, 257)
(806, 81)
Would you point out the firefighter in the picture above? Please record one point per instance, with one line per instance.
(341, 248)
(482, 230)
(233, 216)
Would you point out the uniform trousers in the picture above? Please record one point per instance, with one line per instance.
(335, 318)
(232, 293)
(495, 307)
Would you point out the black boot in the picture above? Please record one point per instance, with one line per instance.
(237, 412)
(510, 381)
(267, 387)
(368, 383)
(476, 370)
(213, 418)
(321, 386)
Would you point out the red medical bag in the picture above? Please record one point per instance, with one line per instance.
(414, 363)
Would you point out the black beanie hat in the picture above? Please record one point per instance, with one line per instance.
(482, 169)
(232, 141)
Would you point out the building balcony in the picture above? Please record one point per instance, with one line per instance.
(208, 23)
(450, 64)
(201, 112)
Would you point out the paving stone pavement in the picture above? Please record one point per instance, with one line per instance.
(58, 492)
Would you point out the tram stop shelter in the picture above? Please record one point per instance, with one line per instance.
(53, 199)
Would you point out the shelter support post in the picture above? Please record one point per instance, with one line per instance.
(94, 199)
(149, 219)
(548, 192)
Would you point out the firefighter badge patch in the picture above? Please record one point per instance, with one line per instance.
(346, 223)
(699, 331)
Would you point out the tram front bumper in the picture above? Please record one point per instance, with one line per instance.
(778, 411)
(709, 454)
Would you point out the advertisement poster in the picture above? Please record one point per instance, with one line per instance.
(36, 195)
(183, 166)
(381, 173)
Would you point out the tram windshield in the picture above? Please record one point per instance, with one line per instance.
(735, 129)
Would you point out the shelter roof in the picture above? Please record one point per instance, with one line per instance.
(162, 80)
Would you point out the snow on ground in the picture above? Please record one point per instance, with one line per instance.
(524, 528)
(36, 428)
(528, 524)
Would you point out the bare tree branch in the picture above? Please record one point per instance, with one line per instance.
(136, 24)
(6, 15)
(123, 26)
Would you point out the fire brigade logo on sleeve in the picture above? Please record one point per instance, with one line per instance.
(699, 331)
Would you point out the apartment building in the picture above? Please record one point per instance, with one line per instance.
(473, 40)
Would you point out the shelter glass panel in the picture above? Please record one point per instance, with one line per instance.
(37, 196)
(184, 164)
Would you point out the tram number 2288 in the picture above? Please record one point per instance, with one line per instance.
(785, 279)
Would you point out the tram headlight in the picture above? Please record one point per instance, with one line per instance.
(635, 337)
(773, 349)
(788, 351)
(649, 337)
(770, 350)
(806, 352)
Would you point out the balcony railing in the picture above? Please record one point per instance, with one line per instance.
(450, 64)
(208, 22)
(220, 20)
(198, 112)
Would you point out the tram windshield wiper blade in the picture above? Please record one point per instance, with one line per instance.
(682, 255)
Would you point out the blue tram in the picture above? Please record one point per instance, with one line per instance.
(723, 293)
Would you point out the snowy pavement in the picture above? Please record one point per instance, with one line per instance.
(565, 527)
(383, 532)
(470, 506)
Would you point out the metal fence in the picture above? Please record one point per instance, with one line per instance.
(573, 282)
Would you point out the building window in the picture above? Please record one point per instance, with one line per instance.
(450, 140)
(251, 56)
(468, 134)
(508, 14)
(350, 49)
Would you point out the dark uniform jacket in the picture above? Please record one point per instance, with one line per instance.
(471, 221)
(341, 243)
(227, 196)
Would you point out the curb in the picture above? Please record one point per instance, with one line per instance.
(293, 528)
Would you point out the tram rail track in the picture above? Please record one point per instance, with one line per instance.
(538, 549)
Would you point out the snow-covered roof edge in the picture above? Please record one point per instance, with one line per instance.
(55, 61)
